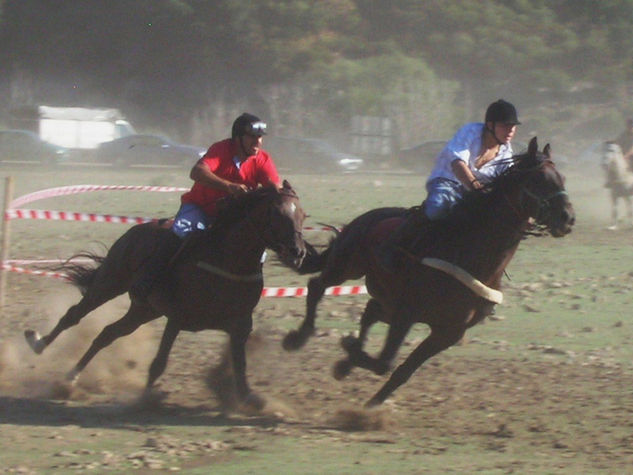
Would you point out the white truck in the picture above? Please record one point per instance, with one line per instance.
(79, 129)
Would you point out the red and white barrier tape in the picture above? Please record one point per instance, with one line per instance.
(74, 189)
(73, 216)
(266, 291)
(14, 213)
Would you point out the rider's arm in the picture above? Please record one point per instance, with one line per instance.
(465, 175)
(200, 173)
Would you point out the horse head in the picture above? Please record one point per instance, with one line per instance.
(284, 232)
(542, 194)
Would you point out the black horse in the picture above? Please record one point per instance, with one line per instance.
(450, 277)
(215, 279)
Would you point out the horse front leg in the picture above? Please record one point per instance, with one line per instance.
(295, 339)
(438, 340)
(614, 210)
(238, 338)
(159, 363)
(629, 210)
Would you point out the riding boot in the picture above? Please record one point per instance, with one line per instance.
(154, 270)
(405, 237)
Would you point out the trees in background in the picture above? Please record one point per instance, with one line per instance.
(310, 65)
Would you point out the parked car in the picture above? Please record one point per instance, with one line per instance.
(144, 149)
(304, 155)
(26, 146)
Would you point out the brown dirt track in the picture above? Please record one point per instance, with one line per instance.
(484, 406)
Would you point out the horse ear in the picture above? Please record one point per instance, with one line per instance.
(533, 147)
(286, 185)
(547, 151)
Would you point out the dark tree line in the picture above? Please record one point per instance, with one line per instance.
(306, 62)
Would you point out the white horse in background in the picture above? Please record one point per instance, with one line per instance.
(619, 181)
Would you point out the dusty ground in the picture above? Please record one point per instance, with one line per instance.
(487, 406)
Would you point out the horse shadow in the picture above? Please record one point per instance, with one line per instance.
(23, 411)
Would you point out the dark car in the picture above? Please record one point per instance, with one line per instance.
(22, 146)
(421, 158)
(144, 149)
(307, 155)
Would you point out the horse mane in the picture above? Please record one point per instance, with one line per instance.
(234, 209)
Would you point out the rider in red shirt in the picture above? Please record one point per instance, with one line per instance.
(230, 167)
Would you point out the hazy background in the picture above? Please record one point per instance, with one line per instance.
(186, 68)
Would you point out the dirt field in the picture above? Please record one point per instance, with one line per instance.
(545, 387)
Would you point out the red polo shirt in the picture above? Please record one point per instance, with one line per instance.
(257, 169)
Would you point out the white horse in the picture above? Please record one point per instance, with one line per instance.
(619, 181)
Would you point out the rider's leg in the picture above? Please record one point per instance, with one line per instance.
(188, 218)
(154, 270)
(405, 236)
(442, 195)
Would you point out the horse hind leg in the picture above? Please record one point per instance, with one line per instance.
(351, 344)
(134, 318)
(95, 296)
(437, 341)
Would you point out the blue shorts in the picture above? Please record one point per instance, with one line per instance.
(190, 218)
(443, 194)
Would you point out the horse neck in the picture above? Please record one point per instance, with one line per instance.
(496, 233)
(239, 250)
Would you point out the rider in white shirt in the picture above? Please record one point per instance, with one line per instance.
(476, 154)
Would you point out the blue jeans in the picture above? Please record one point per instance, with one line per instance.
(443, 194)
(189, 218)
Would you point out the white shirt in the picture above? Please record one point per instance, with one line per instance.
(466, 146)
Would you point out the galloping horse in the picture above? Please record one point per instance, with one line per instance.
(619, 181)
(215, 279)
(450, 276)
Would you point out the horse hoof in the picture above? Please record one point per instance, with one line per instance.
(342, 368)
(373, 402)
(72, 377)
(253, 403)
(152, 398)
(35, 341)
(294, 340)
(350, 344)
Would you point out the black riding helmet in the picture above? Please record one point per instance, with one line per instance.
(248, 124)
(503, 112)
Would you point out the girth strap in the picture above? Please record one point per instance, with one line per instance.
(229, 275)
(493, 295)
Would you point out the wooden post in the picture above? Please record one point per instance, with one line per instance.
(4, 250)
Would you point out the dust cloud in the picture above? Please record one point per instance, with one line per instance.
(119, 370)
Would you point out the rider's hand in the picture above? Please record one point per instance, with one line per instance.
(236, 189)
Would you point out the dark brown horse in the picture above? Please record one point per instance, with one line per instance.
(451, 292)
(215, 280)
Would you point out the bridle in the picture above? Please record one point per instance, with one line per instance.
(267, 235)
(543, 205)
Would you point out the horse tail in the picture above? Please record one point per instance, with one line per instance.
(82, 275)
